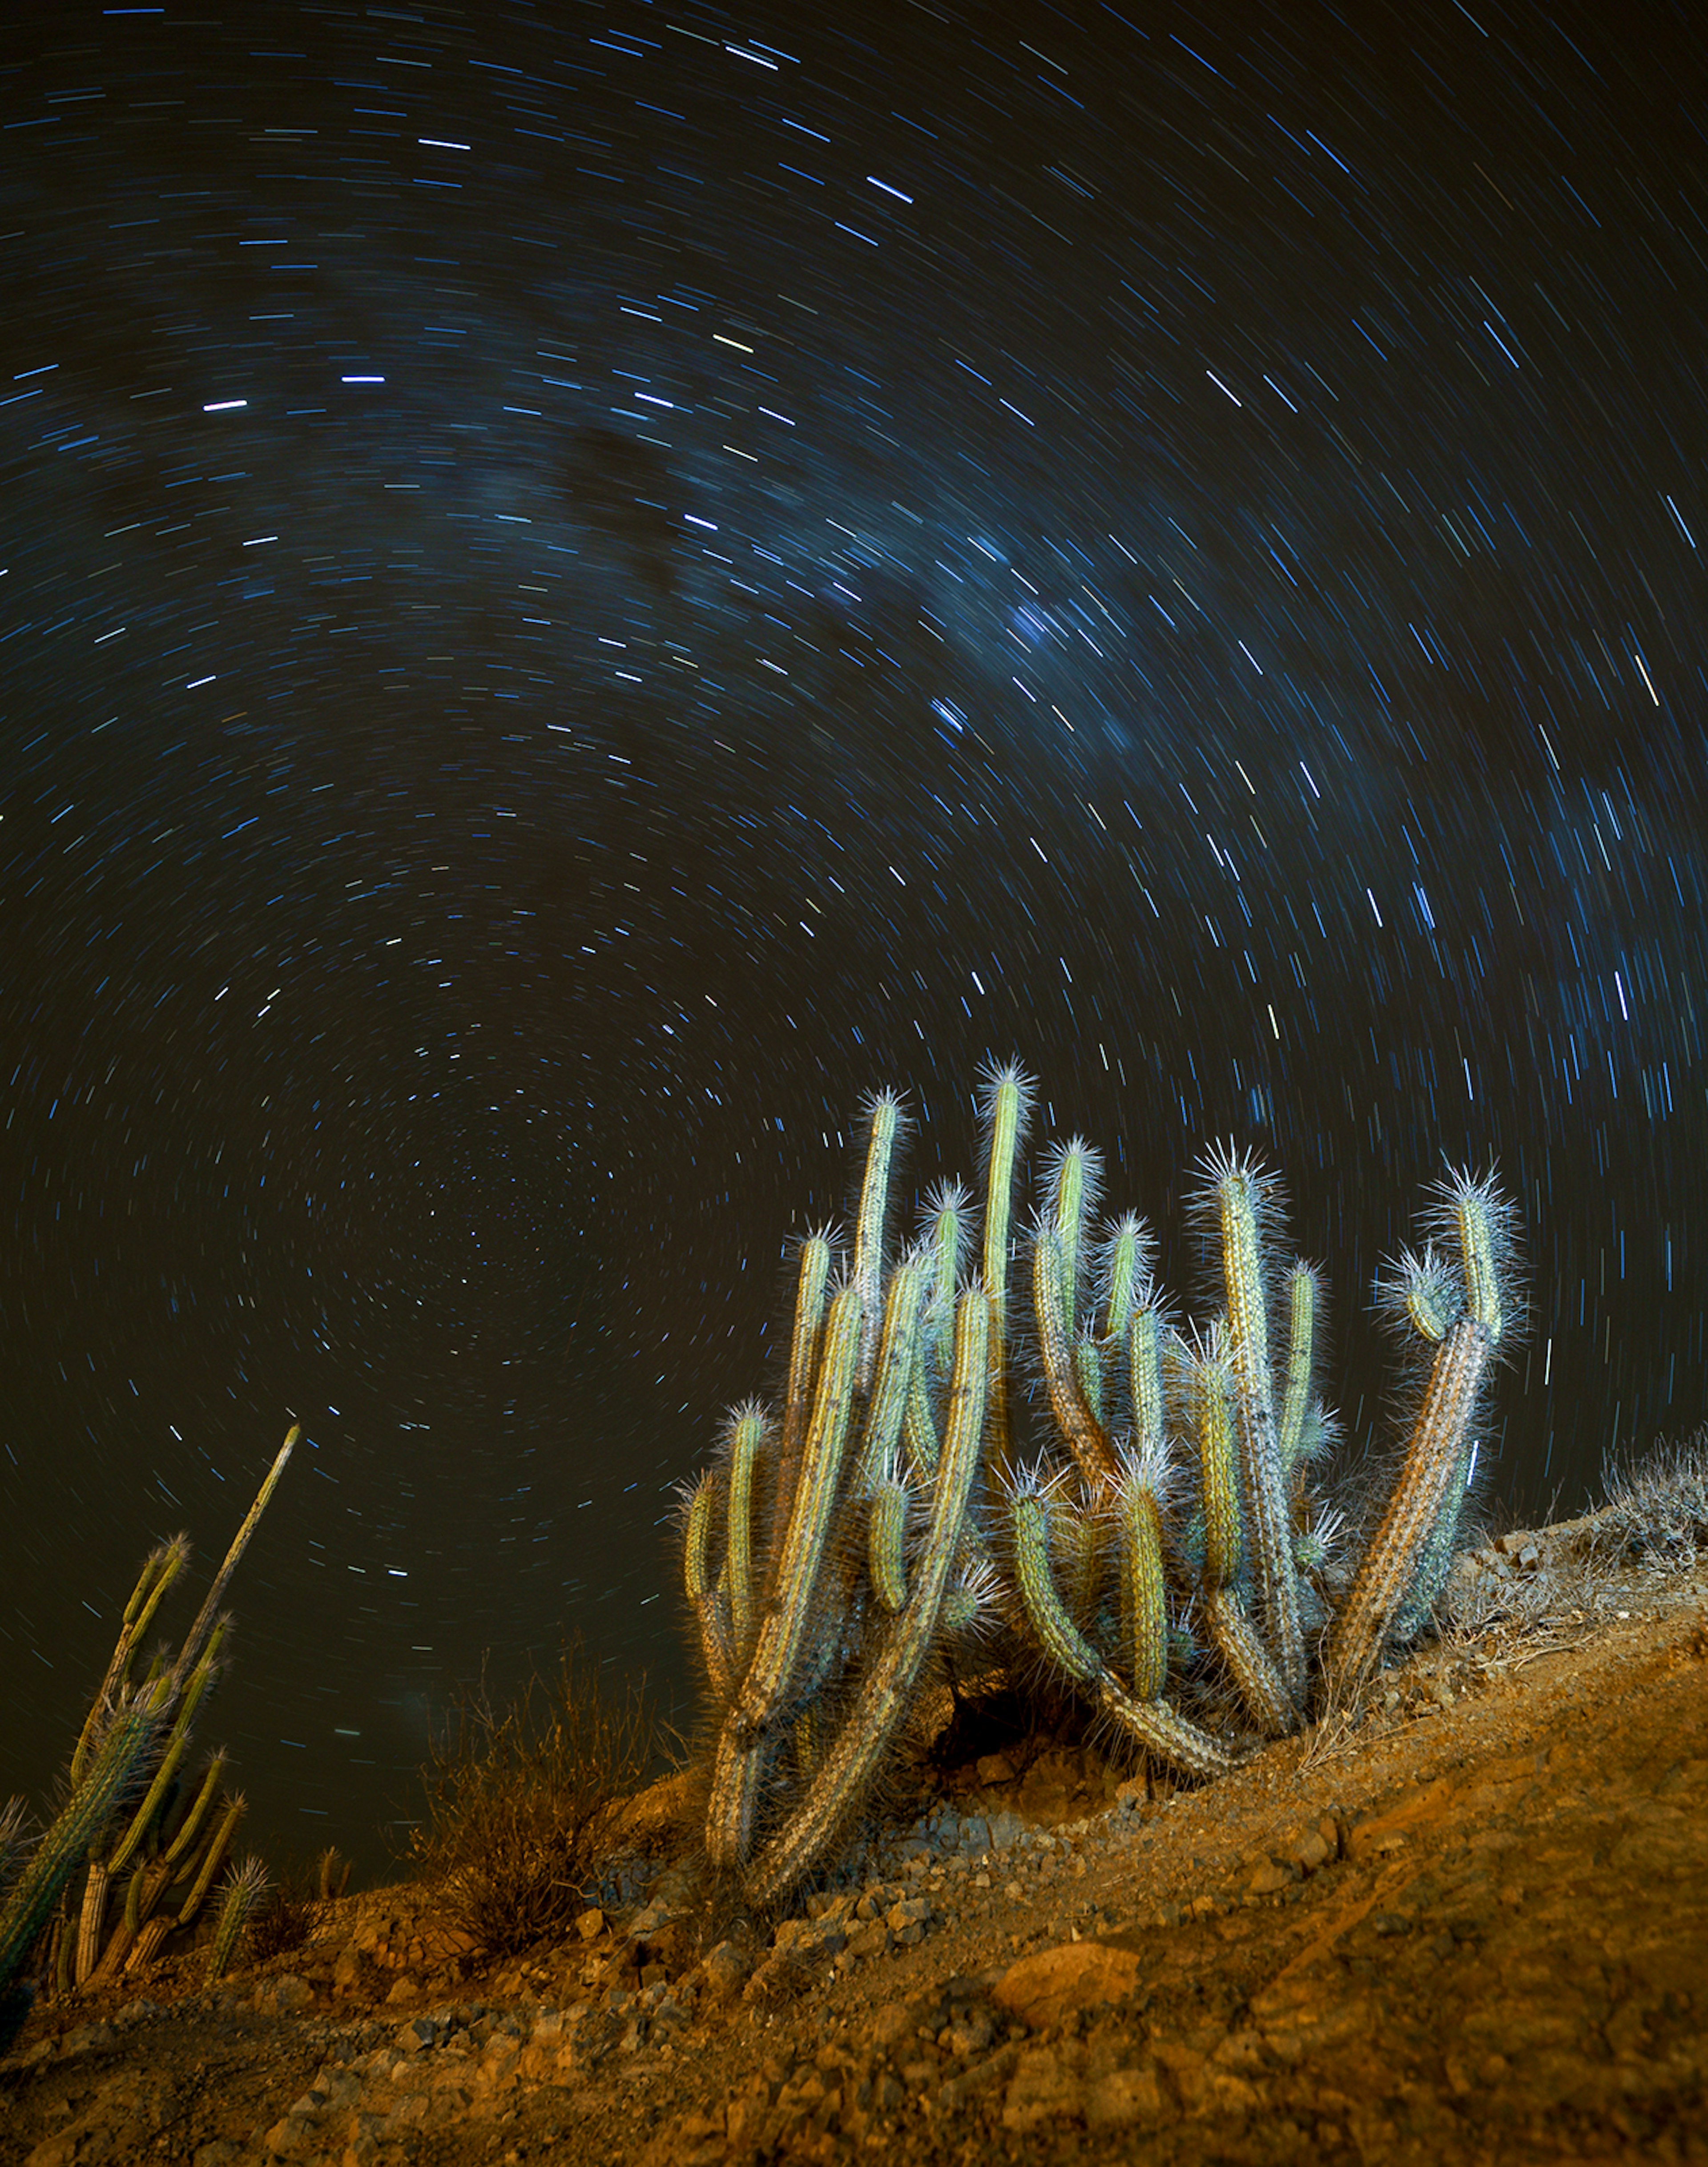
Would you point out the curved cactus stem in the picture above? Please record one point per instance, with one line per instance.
(1152, 1725)
(1270, 1705)
(881, 1704)
(1434, 1464)
(213, 1858)
(1164, 1733)
(700, 1589)
(1084, 1436)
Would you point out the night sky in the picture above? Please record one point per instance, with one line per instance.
(584, 584)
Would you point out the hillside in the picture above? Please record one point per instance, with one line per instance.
(1470, 1927)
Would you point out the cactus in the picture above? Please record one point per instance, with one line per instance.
(245, 1886)
(127, 1814)
(1172, 1502)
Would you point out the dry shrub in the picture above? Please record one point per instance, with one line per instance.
(521, 1803)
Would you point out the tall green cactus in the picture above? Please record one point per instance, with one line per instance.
(126, 1807)
(1162, 1547)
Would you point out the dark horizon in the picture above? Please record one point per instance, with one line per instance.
(582, 589)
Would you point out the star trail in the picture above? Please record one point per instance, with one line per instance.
(582, 584)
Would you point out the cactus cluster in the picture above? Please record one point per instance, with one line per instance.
(143, 1833)
(1134, 1502)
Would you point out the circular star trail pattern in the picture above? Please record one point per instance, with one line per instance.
(584, 584)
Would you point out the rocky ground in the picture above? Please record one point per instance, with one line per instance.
(1473, 1928)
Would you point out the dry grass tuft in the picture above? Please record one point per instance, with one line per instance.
(524, 1803)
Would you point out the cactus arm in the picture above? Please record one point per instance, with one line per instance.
(944, 1240)
(1238, 1196)
(177, 1745)
(1006, 1106)
(1152, 1725)
(703, 1598)
(1127, 1259)
(746, 1438)
(1435, 1461)
(895, 1368)
(810, 1296)
(219, 1843)
(783, 1630)
(1145, 1380)
(190, 1654)
(746, 1744)
(866, 1275)
(886, 1539)
(160, 1570)
(1212, 1389)
(1144, 1596)
(1304, 1294)
(1084, 1436)
(886, 1691)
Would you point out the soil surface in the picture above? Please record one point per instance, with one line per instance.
(1474, 1927)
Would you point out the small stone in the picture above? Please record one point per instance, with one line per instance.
(1040, 1989)
(283, 1997)
(724, 1971)
(404, 1989)
(591, 1924)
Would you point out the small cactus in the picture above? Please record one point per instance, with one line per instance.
(245, 1886)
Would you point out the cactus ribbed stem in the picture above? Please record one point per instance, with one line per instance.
(886, 1545)
(237, 1901)
(1084, 1436)
(1125, 1270)
(195, 1640)
(1266, 1698)
(1269, 1517)
(867, 1276)
(746, 1438)
(783, 1630)
(1006, 1106)
(1144, 1596)
(886, 1690)
(896, 1363)
(701, 1591)
(177, 1743)
(213, 1858)
(1433, 1463)
(1152, 1725)
(112, 1769)
(1144, 1370)
(811, 1294)
(1218, 1473)
(161, 1568)
(1303, 1293)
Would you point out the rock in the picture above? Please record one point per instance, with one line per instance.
(283, 1997)
(591, 1924)
(1040, 1989)
(909, 1919)
(1125, 2096)
(1006, 1829)
(404, 1988)
(722, 1972)
(1044, 2084)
